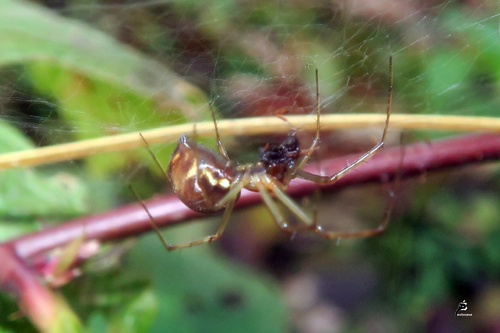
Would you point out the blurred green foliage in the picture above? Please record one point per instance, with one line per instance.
(76, 70)
(27, 195)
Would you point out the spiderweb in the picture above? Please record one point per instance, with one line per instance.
(73, 70)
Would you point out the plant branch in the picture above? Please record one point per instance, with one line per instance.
(47, 311)
(246, 126)
(132, 220)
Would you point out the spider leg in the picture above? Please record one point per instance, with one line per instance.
(365, 157)
(385, 220)
(152, 220)
(272, 206)
(220, 147)
(266, 184)
(311, 223)
(316, 140)
(331, 179)
(228, 200)
(154, 156)
(220, 230)
(273, 186)
(238, 184)
(365, 233)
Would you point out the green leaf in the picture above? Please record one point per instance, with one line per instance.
(463, 72)
(137, 316)
(26, 193)
(201, 292)
(30, 33)
(66, 320)
(447, 79)
(9, 230)
(101, 86)
(480, 35)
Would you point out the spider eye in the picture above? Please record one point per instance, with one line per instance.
(291, 145)
(271, 156)
(291, 140)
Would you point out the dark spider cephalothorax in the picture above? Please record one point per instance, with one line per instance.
(280, 160)
(208, 181)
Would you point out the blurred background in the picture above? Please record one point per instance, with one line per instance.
(73, 70)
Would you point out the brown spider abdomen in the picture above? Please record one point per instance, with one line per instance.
(199, 176)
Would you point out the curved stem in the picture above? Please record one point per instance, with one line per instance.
(132, 220)
(47, 311)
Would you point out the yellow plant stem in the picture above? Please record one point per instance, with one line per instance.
(246, 126)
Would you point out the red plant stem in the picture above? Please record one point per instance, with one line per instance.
(37, 302)
(132, 220)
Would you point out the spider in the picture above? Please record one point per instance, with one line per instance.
(208, 181)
